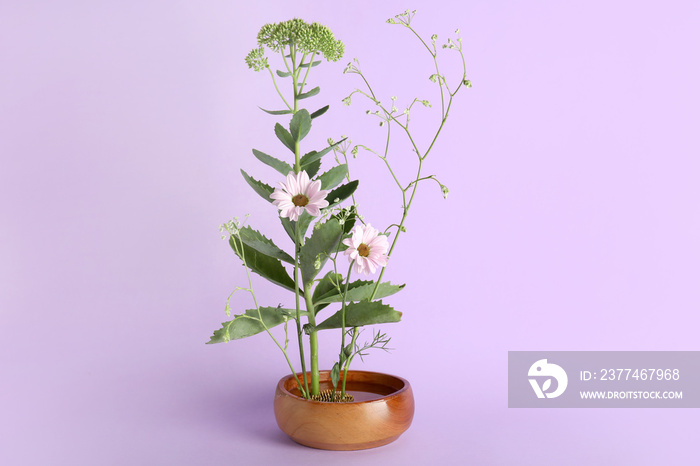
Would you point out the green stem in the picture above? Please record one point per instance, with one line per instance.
(313, 342)
(274, 81)
(297, 244)
(306, 75)
(400, 228)
(342, 309)
(349, 360)
(313, 389)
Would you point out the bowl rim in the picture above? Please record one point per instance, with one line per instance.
(398, 393)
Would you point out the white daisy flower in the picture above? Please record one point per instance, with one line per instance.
(367, 248)
(299, 194)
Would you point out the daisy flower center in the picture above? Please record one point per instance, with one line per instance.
(363, 250)
(300, 200)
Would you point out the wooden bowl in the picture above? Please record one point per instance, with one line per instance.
(382, 411)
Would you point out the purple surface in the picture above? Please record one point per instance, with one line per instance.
(572, 224)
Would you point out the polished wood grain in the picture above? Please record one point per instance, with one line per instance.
(347, 426)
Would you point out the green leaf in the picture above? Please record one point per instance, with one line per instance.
(325, 287)
(360, 314)
(283, 74)
(300, 124)
(318, 247)
(333, 177)
(289, 227)
(266, 266)
(335, 375)
(276, 112)
(260, 243)
(310, 65)
(311, 93)
(341, 193)
(314, 156)
(304, 222)
(310, 158)
(360, 290)
(284, 136)
(259, 187)
(319, 112)
(282, 167)
(312, 168)
(249, 324)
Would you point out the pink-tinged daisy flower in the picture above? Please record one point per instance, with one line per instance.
(299, 194)
(367, 248)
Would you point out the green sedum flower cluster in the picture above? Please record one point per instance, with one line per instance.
(297, 34)
(256, 59)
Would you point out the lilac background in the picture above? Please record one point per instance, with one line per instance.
(572, 224)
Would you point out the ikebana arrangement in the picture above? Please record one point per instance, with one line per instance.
(332, 246)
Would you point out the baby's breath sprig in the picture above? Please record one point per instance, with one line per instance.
(352, 67)
(390, 116)
(403, 18)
